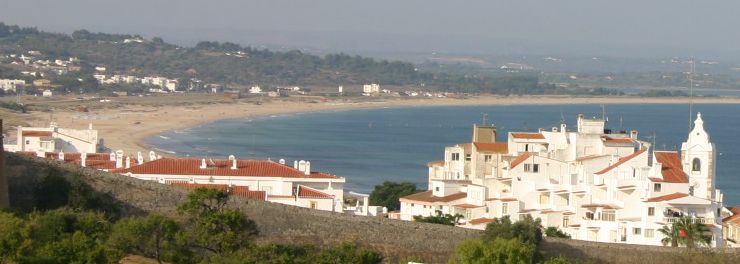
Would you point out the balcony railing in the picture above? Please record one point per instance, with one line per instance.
(700, 220)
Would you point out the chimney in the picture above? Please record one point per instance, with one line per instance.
(152, 156)
(633, 134)
(308, 168)
(83, 159)
(112, 156)
(203, 164)
(302, 165)
(128, 162)
(562, 128)
(281, 161)
(61, 155)
(139, 158)
(295, 164)
(233, 164)
(4, 199)
(119, 159)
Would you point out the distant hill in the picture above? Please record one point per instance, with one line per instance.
(229, 63)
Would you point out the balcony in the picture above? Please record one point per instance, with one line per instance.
(700, 220)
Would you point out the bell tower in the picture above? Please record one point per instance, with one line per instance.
(698, 159)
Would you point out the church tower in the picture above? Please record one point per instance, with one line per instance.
(698, 158)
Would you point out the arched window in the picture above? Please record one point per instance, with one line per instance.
(696, 165)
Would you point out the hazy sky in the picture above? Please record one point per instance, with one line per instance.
(566, 27)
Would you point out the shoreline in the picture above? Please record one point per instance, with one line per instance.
(126, 126)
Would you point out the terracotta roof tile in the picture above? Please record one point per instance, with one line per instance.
(528, 135)
(502, 147)
(429, 198)
(622, 160)
(672, 170)
(520, 159)
(668, 197)
(32, 133)
(479, 221)
(243, 191)
(468, 206)
(618, 141)
(252, 168)
(308, 192)
(607, 206)
(436, 163)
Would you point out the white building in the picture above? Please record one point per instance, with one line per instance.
(255, 90)
(592, 184)
(263, 179)
(369, 89)
(10, 85)
(54, 139)
(47, 93)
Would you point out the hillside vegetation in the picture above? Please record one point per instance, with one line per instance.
(229, 63)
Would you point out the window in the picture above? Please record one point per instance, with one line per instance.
(526, 147)
(656, 187)
(566, 220)
(488, 158)
(637, 231)
(649, 233)
(608, 215)
(651, 211)
(535, 168)
(527, 167)
(467, 157)
(28, 142)
(696, 165)
(455, 156)
(436, 189)
(486, 209)
(504, 208)
(313, 204)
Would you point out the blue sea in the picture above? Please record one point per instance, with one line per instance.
(394, 144)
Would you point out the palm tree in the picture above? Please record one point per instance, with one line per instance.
(671, 235)
(686, 231)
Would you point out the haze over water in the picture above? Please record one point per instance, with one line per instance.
(371, 146)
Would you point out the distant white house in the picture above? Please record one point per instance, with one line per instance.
(54, 139)
(47, 93)
(12, 85)
(255, 90)
(369, 89)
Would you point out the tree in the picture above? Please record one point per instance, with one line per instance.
(214, 227)
(348, 253)
(446, 219)
(153, 236)
(388, 193)
(686, 231)
(528, 230)
(11, 237)
(499, 250)
(552, 231)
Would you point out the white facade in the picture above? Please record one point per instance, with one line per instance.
(9, 85)
(371, 88)
(278, 182)
(55, 139)
(255, 90)
(590, 183)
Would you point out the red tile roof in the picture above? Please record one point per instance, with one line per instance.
(672, 170)
(429, 198)
(31, 133)
(607, 206)
(253, 168)
(479, 221)
(243, 191)
(734, 218)
(528, 135)
(307, 192)
(436, 163)
(468, 206)
(622, 160)
(26, 153)
(520, 159)
(618, 140)
(668, 197)
(502, 147)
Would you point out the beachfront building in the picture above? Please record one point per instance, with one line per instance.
(12, 85)
(731, 227)
(261, 179)
(370, 89)
(54, 139)
(592, 183)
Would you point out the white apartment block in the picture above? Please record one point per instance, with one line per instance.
(261, 179)
(10, 85)
(371, 88)
(54, 139)
(591, 183)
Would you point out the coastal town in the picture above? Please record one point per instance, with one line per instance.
(593, 183)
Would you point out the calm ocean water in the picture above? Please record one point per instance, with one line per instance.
(371, 146)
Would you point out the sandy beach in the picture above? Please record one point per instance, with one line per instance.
(124, 123)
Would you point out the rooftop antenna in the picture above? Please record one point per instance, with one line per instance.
(692, 68)
(562, 117)
(603, 112)
(621, 122)
(485, 118)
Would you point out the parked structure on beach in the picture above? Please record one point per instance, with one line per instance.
(593, 183)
